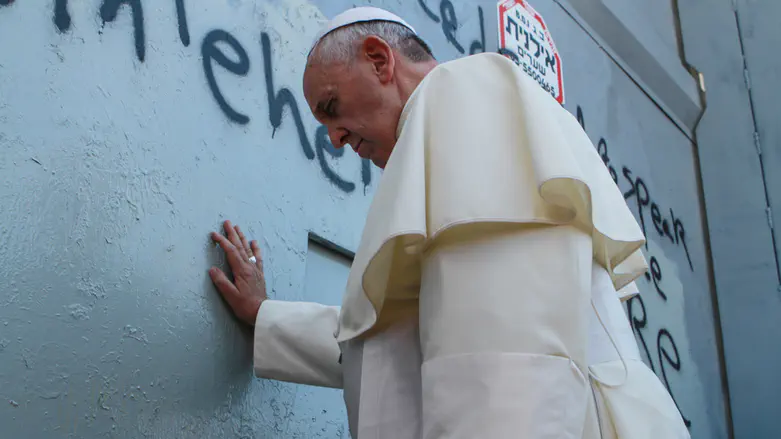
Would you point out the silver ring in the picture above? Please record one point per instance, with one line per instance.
(252, 259)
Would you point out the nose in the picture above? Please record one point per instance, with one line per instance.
(338, 137)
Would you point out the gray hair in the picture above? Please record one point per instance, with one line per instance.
(341, 45)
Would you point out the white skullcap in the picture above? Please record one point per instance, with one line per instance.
(358, 15)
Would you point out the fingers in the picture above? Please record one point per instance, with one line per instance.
(256, 252)
(233, 237)
(224, 285)
(235, 257)
(244, 243)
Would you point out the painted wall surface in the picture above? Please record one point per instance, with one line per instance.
(739, 192)
(130, 129)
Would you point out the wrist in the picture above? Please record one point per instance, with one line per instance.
(256, 311)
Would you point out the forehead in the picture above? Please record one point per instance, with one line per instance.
(321, 81)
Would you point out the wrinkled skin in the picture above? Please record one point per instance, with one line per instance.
(360, 102)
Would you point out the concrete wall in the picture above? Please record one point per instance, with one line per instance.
(126, 140)
(741, 188)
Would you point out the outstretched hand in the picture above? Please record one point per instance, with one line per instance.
(248, 290)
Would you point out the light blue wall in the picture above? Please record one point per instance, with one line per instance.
(741, 190)
(114, 170)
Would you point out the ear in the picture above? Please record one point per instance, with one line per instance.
(378, 52)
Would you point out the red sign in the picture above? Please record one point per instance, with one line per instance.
(524, 38)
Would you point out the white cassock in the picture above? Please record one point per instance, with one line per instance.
(483, 301)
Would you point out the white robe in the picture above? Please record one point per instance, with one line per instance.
(482, 302)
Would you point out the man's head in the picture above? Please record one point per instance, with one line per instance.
(359, 77)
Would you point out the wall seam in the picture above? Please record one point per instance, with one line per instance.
(717, 324)
(757, 143)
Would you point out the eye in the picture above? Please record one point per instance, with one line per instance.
(330, 108)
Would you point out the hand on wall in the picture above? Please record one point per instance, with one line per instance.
(248, 290)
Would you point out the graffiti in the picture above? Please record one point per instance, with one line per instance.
(277, 101)
(323, 146)
(109, 11)
(211, 54)
(676, 364)
(62, 18)
(640, 324)
(479, 46)
(181, 19)
(667, 353)
(220, 48)
(644, 202)
(449, 22)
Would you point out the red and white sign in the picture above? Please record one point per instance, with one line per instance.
(524, 38)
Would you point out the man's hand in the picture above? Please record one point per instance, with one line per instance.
(248, 289)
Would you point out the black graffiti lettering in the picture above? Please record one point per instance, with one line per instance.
(637, 187)
(479, 46)
(628, 176)
(62, 19)
(428, 11)
(277, 101)
(602, 150)
(450, 23)
(638, 324)
(238, 63)
(656, 217)
(181, 17)
(643, 199)
(211, 53)
(323, 145)
(108, 13)
(366, 173)
(675, 363)
(656, 273)
(680, 237)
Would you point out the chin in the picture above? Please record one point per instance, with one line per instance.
(379, 163)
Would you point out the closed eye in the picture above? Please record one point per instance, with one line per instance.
(330, 108)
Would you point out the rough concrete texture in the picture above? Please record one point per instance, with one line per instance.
(124, 141)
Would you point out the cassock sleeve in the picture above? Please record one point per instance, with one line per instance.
(294, 342)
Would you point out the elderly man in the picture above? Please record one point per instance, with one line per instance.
(484, 299)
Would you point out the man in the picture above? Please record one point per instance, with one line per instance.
(482, 302)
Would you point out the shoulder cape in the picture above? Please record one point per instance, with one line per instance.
(481, 142)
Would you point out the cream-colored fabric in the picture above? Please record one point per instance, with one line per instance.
(360, 14)
(382, 373)
(480, 143)
(294, 342)
(503, 325)
(506, 324)
(636, 403)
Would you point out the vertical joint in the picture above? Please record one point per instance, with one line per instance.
(757, 143)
